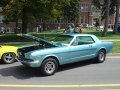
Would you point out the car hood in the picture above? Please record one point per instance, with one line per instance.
(7, 46)
(31, 37)
(40, 40)
(42, 44)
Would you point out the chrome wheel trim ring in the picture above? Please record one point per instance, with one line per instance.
(50, 67)
(101, 56)
(8, 57)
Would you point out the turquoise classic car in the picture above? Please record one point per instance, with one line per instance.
(67, 48)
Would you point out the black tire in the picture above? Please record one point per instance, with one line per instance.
(101, 56)
(8, 58)
(49, 67)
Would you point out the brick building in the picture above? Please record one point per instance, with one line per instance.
(88, 14)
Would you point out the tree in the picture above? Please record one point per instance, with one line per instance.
(105, 13)
(4, 2)
(70, 11)
(11, 15)
(114, 8)
(117, 3)
(97, 4)
(107, 6)
(31, 11)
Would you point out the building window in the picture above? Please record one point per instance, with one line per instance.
(1, 9)
(119, 10)
(19, 20)
(119, 19)
(1, 19)
(110, 21)
(84, 20)
(84, 7)
(95, 11)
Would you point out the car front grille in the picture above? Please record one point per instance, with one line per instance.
(20, 53)
(22, 59)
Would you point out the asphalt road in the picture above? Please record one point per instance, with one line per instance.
(83, 75)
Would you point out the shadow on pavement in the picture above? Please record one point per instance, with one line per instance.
(21, 72)
(75, 65)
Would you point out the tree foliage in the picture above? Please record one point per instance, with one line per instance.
(96, 3)
(4, 2)
(113, 8)
(70, 11)
(30, 11)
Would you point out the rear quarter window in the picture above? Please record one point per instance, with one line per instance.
(85, 40)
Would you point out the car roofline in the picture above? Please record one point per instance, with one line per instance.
(79, 34)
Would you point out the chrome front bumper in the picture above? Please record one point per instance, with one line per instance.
(29, 62)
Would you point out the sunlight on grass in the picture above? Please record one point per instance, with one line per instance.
(116, 47)
(51, 34)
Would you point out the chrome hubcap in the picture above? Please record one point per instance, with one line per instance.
(50, 67)
(101, 56)
(8, 57)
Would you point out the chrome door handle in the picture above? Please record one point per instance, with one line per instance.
(90, 45)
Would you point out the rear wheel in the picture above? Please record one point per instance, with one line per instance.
(8, 58)
(49, 66)
(101, 56)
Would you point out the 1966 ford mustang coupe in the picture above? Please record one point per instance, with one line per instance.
(67, 48)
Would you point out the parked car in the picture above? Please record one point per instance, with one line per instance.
(8, 53)
(67, 48)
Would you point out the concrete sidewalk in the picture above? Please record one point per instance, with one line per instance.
(113, 54)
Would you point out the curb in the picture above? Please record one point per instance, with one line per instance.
(113, 54)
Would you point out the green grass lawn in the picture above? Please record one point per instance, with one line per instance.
(50, 35)
(116, 47)
(109, 36)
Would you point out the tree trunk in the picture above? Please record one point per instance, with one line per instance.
(117, 16)
(24, 21)
(16, 26)
(24, 27)
(106, 18)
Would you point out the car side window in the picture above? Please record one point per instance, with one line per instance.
(82, 40)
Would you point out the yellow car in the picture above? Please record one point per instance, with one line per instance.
(8, 53)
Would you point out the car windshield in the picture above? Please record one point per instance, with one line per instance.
(63, 39)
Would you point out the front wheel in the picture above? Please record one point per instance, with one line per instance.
(101, 56)
(49, 66)
(8, 58)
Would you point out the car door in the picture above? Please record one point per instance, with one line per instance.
(82, 48)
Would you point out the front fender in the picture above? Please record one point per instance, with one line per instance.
(5, 49)
(52, 56)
